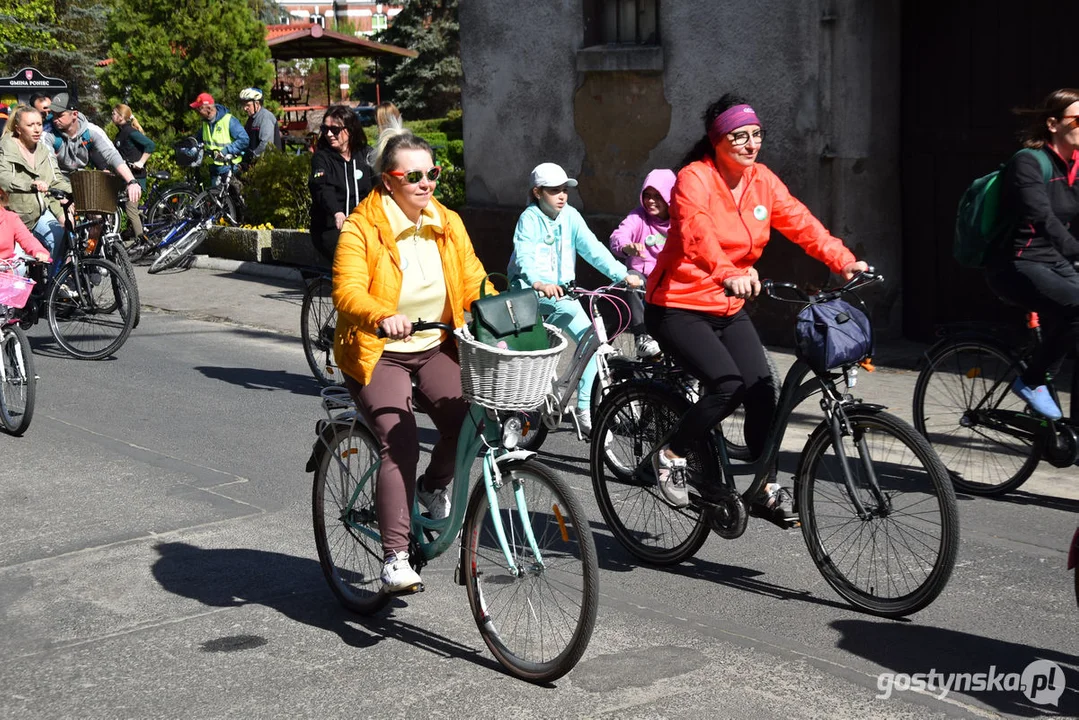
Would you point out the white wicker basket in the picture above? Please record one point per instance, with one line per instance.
(504, 379)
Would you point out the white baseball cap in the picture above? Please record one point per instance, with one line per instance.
(551, 175)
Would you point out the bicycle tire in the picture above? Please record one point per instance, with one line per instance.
(318, 320)
(981, 459)
(733, 425)
(875, 577)
(118, 255)
(177, 252)
(171, 202)
(633, 418)
(97, 320)
(351, 561)
(19, 389)
(566, 567)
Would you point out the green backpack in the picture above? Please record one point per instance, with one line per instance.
(978, 225)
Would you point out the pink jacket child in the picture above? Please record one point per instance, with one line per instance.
(12, 232)
(642, 234)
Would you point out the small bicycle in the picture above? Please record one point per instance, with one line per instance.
(18, 382)
(876, 509)
(988, 438)
(527, 557)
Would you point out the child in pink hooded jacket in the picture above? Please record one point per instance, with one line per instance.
(638, 239)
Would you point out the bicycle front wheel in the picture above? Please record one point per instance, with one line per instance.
(345, 519)
(632, 421)
(538, 616)
(172, 203)
(964, 406)
(19, 387)
(90, 308)
(318, 322)
(897, 560)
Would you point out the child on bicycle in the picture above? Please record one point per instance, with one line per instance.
(639, 238)
(13, 233)
(549, 236)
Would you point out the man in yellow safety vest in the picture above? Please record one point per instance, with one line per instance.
(222, 134)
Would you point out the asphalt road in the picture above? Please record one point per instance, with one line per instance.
(157, 560)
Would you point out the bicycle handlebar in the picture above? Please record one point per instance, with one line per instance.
(860, 279)
(421, 325)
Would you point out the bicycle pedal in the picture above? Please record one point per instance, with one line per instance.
(410, 590)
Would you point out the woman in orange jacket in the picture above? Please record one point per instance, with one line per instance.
(723, 208)
(403, 256)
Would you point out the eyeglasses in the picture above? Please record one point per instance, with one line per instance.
(331, 129)
(741, 138)
(1073, 118)
(414, 176)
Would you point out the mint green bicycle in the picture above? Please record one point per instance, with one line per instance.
(527, 557)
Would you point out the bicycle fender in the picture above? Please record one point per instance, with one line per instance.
(514, 455)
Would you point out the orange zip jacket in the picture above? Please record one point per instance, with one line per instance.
(367, 280)
(712, 239)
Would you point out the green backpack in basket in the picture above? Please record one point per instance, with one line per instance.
(978, 225)
(510, 320)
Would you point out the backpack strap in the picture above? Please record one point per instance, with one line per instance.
(1043, 162)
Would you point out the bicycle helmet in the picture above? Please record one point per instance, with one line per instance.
(251, 94)
(188, 152)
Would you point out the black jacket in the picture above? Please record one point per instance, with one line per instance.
(336, 186)
(1046, 211)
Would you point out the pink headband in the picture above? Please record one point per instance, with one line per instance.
(730, 119)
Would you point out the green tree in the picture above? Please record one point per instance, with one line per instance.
(166, 52)
(61, 38)
(429, 85)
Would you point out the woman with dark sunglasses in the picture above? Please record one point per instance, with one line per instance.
(404, 256)
(723, 208)
(1033, 265)
(341, 176)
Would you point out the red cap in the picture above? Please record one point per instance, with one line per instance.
(203, 100)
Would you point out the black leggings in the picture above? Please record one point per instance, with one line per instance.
(1052, 291)
(726, 355)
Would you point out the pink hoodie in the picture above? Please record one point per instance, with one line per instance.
(638, 226)
(13, 232)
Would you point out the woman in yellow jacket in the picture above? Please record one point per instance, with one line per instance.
(403, 256)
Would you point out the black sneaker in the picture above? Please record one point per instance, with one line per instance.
(776, 506)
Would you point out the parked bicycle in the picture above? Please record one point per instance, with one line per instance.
(527, 557)
(318, 322)
(988, 438)
(18, 381)
(876, 509)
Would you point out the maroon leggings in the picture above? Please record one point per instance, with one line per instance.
(386, 406)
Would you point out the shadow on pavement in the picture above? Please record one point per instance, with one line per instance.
(294, 587)
(914, 649)
(258, 379)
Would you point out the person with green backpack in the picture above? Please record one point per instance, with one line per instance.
(1031, 265)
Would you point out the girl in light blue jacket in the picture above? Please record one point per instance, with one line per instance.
(550, 235)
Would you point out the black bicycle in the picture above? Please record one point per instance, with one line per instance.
(318, 322)
(989, 439)
(877, 511)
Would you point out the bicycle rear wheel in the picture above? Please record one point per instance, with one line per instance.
(90, 308)
(964, 407)
(537, 622)
(176, 252)
(632, 421)
(345, 519)
(898, 560)
(318, 322)
(19, 387)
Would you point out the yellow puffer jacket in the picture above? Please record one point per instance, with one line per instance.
(367, 280)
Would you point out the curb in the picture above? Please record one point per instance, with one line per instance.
(242, 267)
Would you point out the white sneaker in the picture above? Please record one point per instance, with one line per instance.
(647, 347)
(398, 576)
(437, 502)
(584, 419)
(671, 478)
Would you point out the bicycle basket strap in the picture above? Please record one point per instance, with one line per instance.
(510, 320)
(831, 334)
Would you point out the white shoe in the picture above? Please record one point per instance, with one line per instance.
(647, 347)
(584, 419)
(671, 478)
(398, 576)
(436, 502)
